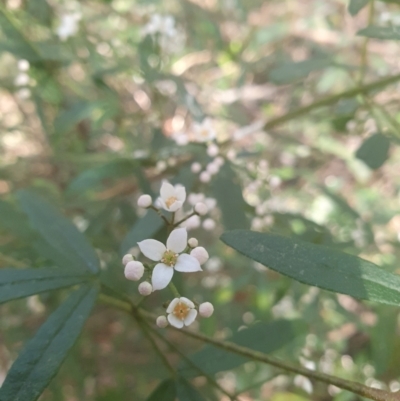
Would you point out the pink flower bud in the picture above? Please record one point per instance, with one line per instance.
(206, 309)
(162, 322)
(201, 208)
(145, 288)
(195, 167)
(200, 254)
(205, 177)
(144, 201)
(209, 224)
(126, 259)
(134, 270)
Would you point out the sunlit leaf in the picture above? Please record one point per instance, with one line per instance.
(381, 32)
(318, 266)
(43, 355)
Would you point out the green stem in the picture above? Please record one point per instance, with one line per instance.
(356, 388)
(184, 219)
(174, 290)
(192, 364)
(156, 348)
(158, 211)
(330, 100)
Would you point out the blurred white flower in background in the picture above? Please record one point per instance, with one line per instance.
(204, 131)
(69, 25)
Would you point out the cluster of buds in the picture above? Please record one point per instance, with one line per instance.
(178, 254)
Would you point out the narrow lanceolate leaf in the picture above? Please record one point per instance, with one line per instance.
(318, 266)
(68, 248)
(166, 391)
(374, 151)
(186, 392)
(144, 228)
(43, 355)
(355, 6)
(264, 337)
(226, 189)
(20, 283)
(381, 32)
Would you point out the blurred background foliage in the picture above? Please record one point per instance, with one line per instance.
(96, 98)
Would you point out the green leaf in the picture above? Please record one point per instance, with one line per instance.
(19, 44)
(67, 119)
(68, 248)
(43, 355)
(289, 72)
(227, 191)
(374, 151)
(381, 32)
(166, 391)
(264, 337)
(318, 266)
(20, 283)
(186, 392)
(143, 229)
(355, 6)
(91, 178)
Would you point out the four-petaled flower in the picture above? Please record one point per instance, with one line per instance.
(204, 131)
(181, 312)
(172, 198)
(170, 257)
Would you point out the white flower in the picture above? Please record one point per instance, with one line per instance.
(200, 254)
(145, 288)
(144, 201)
(170, 257)
(162, 322)
(172, 198)
(203, 132)
(181, 312)
(68, 25)
(206, 309)
(134, 270)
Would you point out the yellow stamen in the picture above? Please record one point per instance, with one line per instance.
(181, 310)
(169, 258)
(171, 200)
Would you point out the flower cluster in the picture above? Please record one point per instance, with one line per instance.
(178, 254)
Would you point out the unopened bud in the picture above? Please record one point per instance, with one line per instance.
(209, 224)
(212, 150)
(193, 242)
(145, 288)
(205, 177)
(144, 201)
(200, 254)
(126, 259)
(134, 270)
(195, 167)
(162, 322)
(206, 309)
(201, 208)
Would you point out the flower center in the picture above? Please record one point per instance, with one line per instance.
(204, 133)
(169, 258)
(181, 310)
(171, 200)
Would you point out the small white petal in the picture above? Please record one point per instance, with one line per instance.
(172, 305)
(180, 193)
(174, 321)
(161, 277)
(167, 190)
(175, 206)
(152, 249)
(177, 240)
(191, 316)
(187, 264)
(187, 301)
